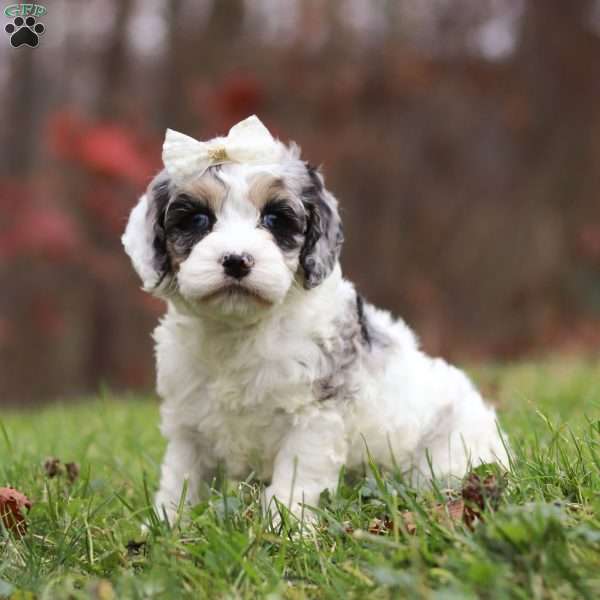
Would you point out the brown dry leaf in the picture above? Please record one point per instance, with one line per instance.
(479, 495)
(380, 526)
(347, 526)
(72, 471)
(52, 467)
(409, 522)
(452, 511)
(12, 505)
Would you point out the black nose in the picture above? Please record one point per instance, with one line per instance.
(237, 265)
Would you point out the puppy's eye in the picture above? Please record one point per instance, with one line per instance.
(278, 215)
(189, 215)
(285, 225)
(200, 221)
(269, 220)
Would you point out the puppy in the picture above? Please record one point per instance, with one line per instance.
(268, 360)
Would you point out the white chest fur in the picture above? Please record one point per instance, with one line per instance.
(239, 390)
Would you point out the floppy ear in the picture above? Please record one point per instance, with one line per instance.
(144, 237)
(324, 236)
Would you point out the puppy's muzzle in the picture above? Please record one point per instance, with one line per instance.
(237, 265)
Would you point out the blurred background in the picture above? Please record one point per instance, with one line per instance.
(462, 138)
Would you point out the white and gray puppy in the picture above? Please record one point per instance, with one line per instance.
(268, 360)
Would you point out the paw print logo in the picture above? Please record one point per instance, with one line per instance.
(25, 32)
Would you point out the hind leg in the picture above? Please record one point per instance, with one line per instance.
(474, 439)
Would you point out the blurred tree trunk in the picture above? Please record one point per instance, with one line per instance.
(173, 72)
(104, 310)
(21, 122)
(114, 64)
(556, 52)
(215, 47)
(558, 58)
(558, 65)
(226, 20)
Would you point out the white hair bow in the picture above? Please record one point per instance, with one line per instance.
(247, 142)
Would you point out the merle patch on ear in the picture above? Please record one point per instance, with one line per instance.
(144, 237)
(159, 199)
(324, 236)
(159, 194)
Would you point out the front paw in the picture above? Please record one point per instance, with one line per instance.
(277, 503)
(167, 514)
(167, 508)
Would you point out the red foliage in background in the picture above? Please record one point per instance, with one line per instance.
(237, 96)
(109, 157)
(43, 232)
(105, 149)
(32, 227)
(60, 237)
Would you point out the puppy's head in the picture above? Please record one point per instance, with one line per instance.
(235, 239)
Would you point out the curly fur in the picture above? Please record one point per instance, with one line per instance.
(287, 373)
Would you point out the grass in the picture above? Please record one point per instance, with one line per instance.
(84, 538)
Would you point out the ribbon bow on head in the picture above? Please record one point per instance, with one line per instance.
(247, 142)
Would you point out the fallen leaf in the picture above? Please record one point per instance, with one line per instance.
(52, 467)
(72, 471)
(409, 522)
(12, 503)
(453, 510)
(380, 526)
(477, 495)
(450, 513)
(347, 527)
